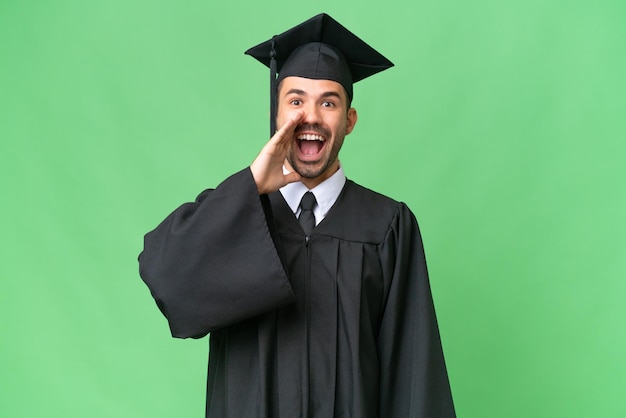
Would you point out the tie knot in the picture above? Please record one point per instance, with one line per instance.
(308, 201)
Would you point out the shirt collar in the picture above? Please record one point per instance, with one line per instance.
(326, 193)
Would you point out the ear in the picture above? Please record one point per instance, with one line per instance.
(352, 118)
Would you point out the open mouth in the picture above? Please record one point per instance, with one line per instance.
(310, 145)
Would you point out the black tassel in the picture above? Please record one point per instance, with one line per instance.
(273, 87)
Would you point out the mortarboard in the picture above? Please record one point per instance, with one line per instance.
(319, 48)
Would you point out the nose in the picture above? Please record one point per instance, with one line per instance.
(312, 114)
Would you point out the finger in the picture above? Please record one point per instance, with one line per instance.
(288, 127)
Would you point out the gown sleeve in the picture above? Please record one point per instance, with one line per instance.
(414, 381)
(213, 263)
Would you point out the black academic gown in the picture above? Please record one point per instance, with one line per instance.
(340, 324)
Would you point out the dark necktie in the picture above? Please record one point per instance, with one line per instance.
(307, 219)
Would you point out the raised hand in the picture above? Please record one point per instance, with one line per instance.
(267, 167)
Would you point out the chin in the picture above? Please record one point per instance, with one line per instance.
(309, 173)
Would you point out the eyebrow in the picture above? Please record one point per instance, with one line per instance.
(324, 95)
(332, 94)
(296, 91)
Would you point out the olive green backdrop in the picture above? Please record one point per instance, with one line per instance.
(502, 126)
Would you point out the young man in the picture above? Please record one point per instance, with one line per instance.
(314, 289)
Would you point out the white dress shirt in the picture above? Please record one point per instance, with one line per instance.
(326, 194)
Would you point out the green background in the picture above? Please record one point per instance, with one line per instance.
(502, 126)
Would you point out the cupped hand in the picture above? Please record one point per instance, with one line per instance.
(267, 167)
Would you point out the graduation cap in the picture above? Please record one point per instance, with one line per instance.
(321, 49)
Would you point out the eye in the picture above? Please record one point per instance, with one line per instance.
(328, 103)
(295, 102)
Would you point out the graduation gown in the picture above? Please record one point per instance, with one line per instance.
(338, 324)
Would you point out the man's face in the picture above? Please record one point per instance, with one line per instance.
(319, 136)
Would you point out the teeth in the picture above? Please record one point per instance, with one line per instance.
(310, 137)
